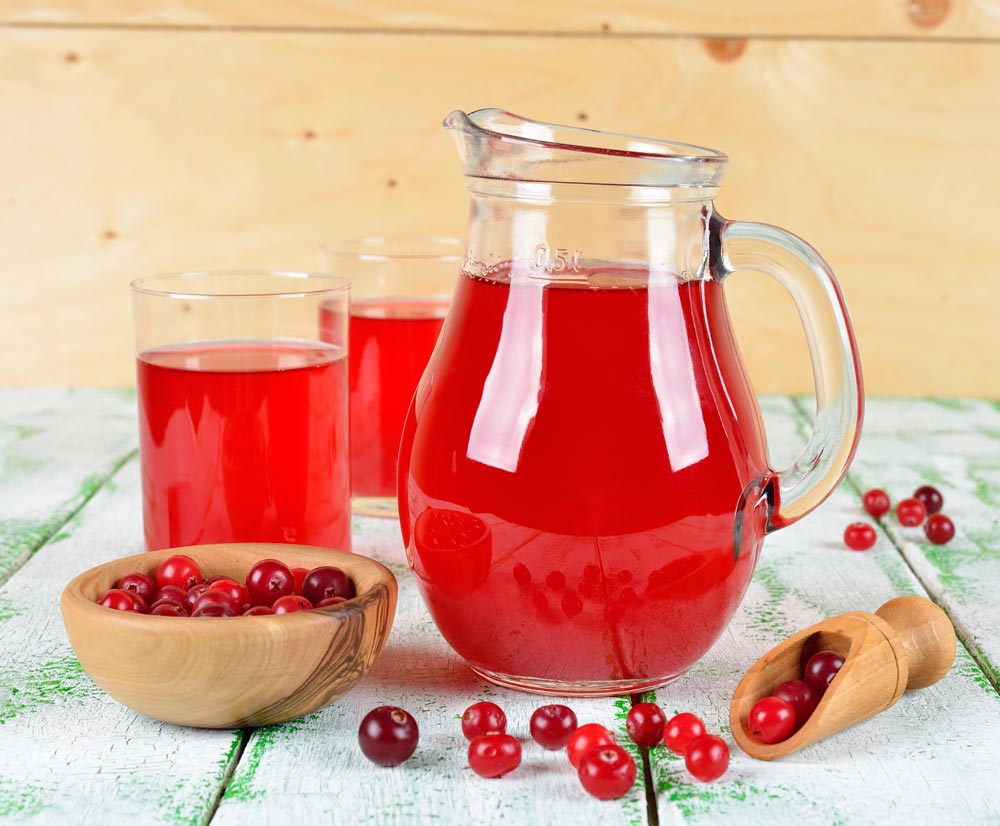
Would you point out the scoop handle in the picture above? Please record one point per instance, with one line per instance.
(927, 637)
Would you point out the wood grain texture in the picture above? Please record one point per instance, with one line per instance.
(57, 449)
(723, 18)
(68, 752)
(129, 152)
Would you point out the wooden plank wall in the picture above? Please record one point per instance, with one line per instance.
(145, 136)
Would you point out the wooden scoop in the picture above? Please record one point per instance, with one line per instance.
(908, 643)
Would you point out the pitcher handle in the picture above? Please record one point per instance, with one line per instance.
(832, 348)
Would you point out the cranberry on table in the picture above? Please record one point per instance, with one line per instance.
(771, 720)
(911, 512)
(607, 773)
(269, 580)
(587, 737)
(876, 502)
(645, 723)
(939, 529)
(179, 570)
(931, 498)
(121, 600)
(388, 735)
(680, 730)
(494, 754)
(552, 725)
(258, 611)
(801, 696)
(822, 668)
(291, 604)
(168, 608)
(327, 581)
(707, 757)
(483, 718)
(139, 584)
(859, 536)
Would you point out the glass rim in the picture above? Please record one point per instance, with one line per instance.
(329, 284)
(397, 248)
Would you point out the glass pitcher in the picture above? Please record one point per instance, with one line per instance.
(584, 485)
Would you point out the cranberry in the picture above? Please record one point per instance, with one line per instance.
(192, 595)
(269, 580)
(931, 498)
(139, 584)
(214, 604)
(939, 529)
(876, 502)
(494, 754)
(326, 603)
(771, 720)
(388, 735)
(645, 723)
(291, 604)
(680, 730)
(859, 536)
(707, 757)
(170, 592)
(236, 592)
(585, 738)
(179, 570)
(174, 602)
(299, 575)
(800, 696)
(483, 718)
(121, 600)
(327, 581)
(552, 725)
(168, 608)
(607, 772)
(822, 668)
(258, 611)
(911, 512)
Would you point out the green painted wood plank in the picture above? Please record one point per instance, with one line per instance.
(922, 761)
(57, 448)
(68, 752)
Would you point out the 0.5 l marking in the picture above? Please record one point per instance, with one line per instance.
(556, 260)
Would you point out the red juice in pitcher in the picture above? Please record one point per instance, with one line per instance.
(245, 441)
(578, 477)
(391, 341)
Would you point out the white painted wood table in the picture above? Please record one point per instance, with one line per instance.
(69, 499)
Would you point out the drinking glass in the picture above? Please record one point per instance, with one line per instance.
(243, 417)
(401, 288)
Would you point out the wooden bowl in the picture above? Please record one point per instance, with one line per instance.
(238, 671)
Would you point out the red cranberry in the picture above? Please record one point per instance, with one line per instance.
(707, 757)
(585, 738)
(645, 723)
(800, 696)
(121, 600)
(552, 725)
(214, 604)
(327, 581)
(236, 592)
(191, 597)
(939, 529)
(268, 581)
(168, 608)
(291, 605)
(174, 602)
(859, 536)
(483, 718)
(931, 498)
(822, 668)
(494, 755)
(911, 512)
(771, 720)
(326, 603)
(299, 575)
(170, 592)
(139, 584)
(258, 611)
(607, 772)
(388, 735)
(179, 570)
(876, 502)
(680, 730)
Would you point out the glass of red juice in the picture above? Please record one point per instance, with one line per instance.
(400, 291)
(243, 417)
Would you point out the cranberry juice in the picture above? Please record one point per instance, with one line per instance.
(245, 441)
(391, 341)
(583, 477)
